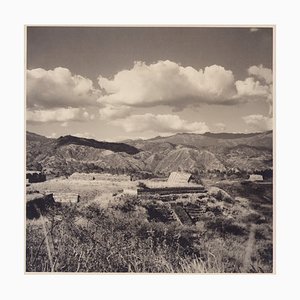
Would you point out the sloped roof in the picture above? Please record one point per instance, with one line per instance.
(178, 178)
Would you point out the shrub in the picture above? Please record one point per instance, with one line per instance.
(226, 226)
(88, 238)
(128, 203)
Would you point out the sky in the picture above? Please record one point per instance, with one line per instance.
(117, 83)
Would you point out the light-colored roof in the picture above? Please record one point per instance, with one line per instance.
(178, 178)
(255, 177)
(66, 197)
(33, 172)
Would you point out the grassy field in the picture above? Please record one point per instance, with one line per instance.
(87, 189)
(111, 232)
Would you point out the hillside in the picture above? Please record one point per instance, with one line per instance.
(210, 139)
(114, 147)
(190, 160)
(190, 152)
(68, 154)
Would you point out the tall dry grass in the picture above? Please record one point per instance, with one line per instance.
(119, 238)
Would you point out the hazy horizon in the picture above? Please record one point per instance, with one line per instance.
(158, 136)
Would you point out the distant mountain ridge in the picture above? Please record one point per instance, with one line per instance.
(115, 147)
(184, 151)
(227, 135)
(264, 139)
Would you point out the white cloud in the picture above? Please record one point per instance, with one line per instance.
(261, 73)
(168, 83)
(162, 124)
(53, 135)
(108, 111)
(252, 88)
(47, 89)
(86, 135)
(59, 96)
(219, 127)
(259, 122)
(64, 124)
(58, 115)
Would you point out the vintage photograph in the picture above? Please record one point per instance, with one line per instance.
(149, 149)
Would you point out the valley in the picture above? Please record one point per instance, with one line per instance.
(116, 208)
(159, 156)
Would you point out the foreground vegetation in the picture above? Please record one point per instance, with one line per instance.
(123, 237)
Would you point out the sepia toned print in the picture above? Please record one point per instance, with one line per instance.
(149, 149)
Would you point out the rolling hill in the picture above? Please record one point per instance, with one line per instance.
(210, 139)
(190, 152)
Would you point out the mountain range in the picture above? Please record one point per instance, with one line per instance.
(160, 155)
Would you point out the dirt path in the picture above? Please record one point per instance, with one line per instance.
(249, 249)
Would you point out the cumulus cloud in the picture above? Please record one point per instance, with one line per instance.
(48, 89)
(58, 115)
(252, 88)
(261, 73)
(164, 124)
(59, 96)
(219, 127)
(167, 83)
(257, 87)
(108, 111)
(259, 122)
